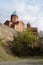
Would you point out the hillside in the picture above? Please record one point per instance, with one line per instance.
(4, 55)
(6, 34)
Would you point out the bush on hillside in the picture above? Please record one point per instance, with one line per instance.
(23, 42)
(1, 42)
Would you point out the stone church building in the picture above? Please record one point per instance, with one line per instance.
(15, 23)
(19, 25)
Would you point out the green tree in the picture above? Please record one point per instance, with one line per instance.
(23, 41)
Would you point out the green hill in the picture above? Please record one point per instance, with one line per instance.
(4, 55)
(6, 34)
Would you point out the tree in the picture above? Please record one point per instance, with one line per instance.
(23, 42)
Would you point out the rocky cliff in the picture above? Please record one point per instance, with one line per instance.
(7, 33)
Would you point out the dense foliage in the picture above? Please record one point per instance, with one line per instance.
(23, 42)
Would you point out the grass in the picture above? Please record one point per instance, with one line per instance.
(4, 56)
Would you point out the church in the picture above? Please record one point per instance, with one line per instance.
(15, 23)
(19, 25)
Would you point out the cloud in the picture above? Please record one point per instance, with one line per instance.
(34, 15)
(28, 10)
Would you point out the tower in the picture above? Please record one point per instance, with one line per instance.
(28, 25)
(14, 17)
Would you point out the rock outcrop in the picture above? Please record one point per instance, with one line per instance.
(7, 33)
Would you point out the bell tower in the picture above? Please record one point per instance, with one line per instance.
(14, 17)
(28, 26)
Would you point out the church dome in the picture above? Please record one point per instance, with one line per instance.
(14, 17)
(14, 13)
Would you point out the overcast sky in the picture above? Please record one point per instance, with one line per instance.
(28, 10)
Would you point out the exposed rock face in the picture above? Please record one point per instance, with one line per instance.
(7, 33)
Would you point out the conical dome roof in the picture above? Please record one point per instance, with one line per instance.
(14, 13)
(28, 23)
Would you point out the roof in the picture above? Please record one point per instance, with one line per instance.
(22, 22)
(6, 21)
(14, 13)
(28, 23)
(33, 28)
(18, 22)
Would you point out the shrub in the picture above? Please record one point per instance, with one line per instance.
(23, 42)
(1, 42)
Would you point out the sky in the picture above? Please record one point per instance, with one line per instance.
(29, 11)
